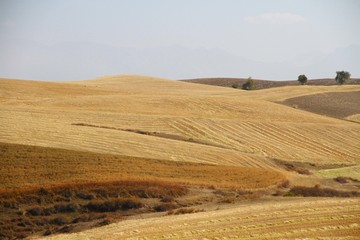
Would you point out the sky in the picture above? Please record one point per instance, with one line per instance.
(178, 39)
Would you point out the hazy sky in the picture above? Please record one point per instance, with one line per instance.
(67, 39)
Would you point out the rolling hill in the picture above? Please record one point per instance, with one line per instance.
(262, 84)
(119, 125)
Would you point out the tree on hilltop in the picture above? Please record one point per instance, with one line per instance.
(302, 79)
(249, 85)
(342, 76)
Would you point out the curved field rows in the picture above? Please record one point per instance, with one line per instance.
(37, 129)
(355, 118)
(287, 219)
(245, 130)
(293, 142)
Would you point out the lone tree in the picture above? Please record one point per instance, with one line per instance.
(249, 85)
(302, 79)
(342, 76)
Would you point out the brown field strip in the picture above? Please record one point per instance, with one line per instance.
(283, 93)
(287, 219)
(335, 104)
(27, 166)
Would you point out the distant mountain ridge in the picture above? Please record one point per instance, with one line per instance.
(84, 60)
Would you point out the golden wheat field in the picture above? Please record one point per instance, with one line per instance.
(219, 143)
(295, 219)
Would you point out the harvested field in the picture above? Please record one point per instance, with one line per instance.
(337, 104)
(354, 118)
(287, 219)
(105, 140)
(44, 190)
(24, 166)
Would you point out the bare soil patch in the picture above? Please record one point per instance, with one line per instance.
(335, 104)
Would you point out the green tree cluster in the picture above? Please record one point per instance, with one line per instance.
(302, 79)
(249, 85)
(342, 77)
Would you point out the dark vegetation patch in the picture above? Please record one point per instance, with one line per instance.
(263, 84)
(335, 104)
(306, 166)
(299, 167)
(62, 208)
(345, 179)
(317, 191)
(163, 207)
(114, 205)
(184, 211)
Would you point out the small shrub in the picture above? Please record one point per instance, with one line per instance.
(47, 232)
(303, 171)
(228, 199)
(21, 235)
(130, 203)
(48, 211)
(284, 184)
(58, 221)
(292, 167)
(184, 211)
(101, 192)
(103, 223)
(36, 211)
(67, 208)
(278, 193)
(165, 207)
(341, 179)
(114, 205)
(167, 199)
(10, 204)
(65, 192)
(43, 192)
(85, 196)
(345, 179)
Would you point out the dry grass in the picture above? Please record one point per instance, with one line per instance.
(281, 219)
(245, 128)
(28, 166)
(68, 197)
(243, 132)
(351, 172)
